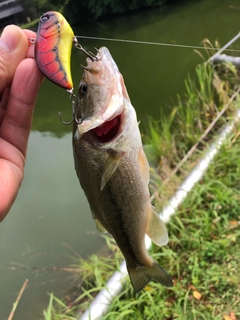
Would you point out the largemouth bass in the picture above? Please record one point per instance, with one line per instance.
(113, 169)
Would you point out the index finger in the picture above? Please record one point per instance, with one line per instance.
(22, 97)
(13, 49)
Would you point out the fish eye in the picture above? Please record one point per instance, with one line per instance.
(44, 18)
(83, 88)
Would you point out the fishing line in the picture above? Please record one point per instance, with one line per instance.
(153, 43)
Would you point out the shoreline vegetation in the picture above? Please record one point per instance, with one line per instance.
(75, 11)
(203, 253)
(93, 10)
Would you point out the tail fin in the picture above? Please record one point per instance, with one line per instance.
(140, 276)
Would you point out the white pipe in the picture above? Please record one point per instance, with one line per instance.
(225, 58)
(197, 173)
(224, 47)
(103, 300)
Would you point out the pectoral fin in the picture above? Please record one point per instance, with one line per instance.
(110, 167)
(156, 229)
(144, 166)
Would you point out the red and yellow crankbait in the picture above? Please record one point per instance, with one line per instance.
(53, 47)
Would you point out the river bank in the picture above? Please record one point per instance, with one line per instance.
(203, 252)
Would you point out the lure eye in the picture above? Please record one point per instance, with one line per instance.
(44, 18)
(83, 88)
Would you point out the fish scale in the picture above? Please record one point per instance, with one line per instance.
(112, 201)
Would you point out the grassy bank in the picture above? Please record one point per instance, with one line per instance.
(203, 252)
(202, 255)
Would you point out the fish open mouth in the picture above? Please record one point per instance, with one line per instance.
(108, 130)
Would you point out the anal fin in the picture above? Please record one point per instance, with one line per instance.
(156, 229)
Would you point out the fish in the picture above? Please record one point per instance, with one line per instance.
(53, 47)
(113, 169)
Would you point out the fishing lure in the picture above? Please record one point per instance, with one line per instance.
(53, 45)
(53, 48)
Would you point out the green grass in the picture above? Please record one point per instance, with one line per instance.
(203, 254)
(30, 25)
(168, 140)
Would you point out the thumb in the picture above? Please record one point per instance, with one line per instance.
(13, 49)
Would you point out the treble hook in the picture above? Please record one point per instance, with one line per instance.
(88, 53)
(78, 121)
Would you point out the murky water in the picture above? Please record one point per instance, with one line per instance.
(51, 210)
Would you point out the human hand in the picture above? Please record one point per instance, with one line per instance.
(20, 80)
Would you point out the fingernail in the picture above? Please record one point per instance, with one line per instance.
(10, 38)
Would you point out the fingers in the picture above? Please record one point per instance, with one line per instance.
(13, 49)
(17, 121)
(20, 80)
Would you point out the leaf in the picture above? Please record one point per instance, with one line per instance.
(197, 295)
(148, 288)
(231, 237)
(234, 224)
(231, 317)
